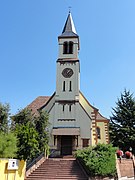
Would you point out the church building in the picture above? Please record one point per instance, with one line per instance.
(74, 122)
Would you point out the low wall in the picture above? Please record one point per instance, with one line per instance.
(35, 166)
(6, 174)
(125, 168)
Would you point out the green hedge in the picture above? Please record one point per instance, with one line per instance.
(98, 160)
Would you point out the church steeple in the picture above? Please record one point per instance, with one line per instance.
(68, 65)
(68, 41)
(69, 28)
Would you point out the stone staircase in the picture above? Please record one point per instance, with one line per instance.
(58, 168)
(126, 168)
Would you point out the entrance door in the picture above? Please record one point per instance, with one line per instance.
(66, 145)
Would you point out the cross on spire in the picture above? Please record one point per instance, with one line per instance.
(69, 9)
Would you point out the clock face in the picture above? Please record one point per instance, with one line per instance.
(67, 72)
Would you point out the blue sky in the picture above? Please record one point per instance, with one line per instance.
(29, 49)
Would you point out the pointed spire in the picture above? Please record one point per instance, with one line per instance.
(69, 28)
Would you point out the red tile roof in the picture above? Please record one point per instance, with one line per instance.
(38, 103)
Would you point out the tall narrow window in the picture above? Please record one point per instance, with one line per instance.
(77, 141)
(70, 86)
(70, 47)
(98, 133)
(65, 48)
(64, 86)
(54, 140)
(63, 107)
(70, 107)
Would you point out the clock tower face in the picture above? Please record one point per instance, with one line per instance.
(67, 72)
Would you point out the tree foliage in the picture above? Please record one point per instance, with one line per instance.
(122, 122)
(4, 116)
(7, 139)
(27, 142)
(98, 160)
(31, 132)
(41, 124)
(22, 117)
(8, 146)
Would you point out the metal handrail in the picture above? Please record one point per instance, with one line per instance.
(84, 166)
(34, 161)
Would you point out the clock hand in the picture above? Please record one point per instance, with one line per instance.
(68, 71)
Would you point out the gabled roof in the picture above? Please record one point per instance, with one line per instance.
(69, 28)
(38, 103)
(41, 101)
(99, 117)
(88, 102)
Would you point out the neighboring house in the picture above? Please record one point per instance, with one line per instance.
(74, 122)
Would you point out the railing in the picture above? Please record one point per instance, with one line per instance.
(133, 160)
(34, 161)
(84, 166)
(52, 152)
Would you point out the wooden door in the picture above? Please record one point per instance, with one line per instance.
(66, 145)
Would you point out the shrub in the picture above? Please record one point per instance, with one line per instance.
(99, 160)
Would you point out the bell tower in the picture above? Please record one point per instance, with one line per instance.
(68, 66)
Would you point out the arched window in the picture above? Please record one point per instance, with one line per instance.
(65, 48)
(70, 47)
(98, 133)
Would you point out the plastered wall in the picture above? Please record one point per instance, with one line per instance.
(6, 174)
(101, 125)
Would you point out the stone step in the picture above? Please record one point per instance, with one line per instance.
(51, 178)
(58, 169)
(47, 178)
(59, 173)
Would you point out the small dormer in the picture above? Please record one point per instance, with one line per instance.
(68, 41)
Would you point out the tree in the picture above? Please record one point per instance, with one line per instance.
(27, 142)
(22, 117)
(8, 146)
(41, 124)
(31, 132)
(4, 115)
(23, 126)
(122, 122)
(7, 139)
